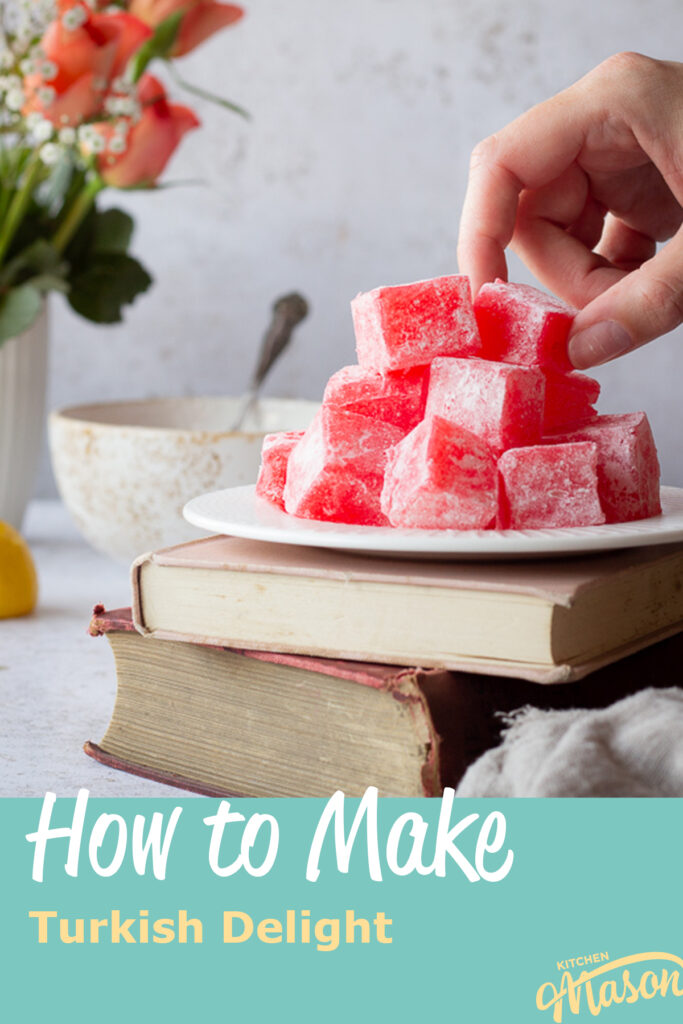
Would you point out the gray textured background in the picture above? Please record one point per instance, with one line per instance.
(351, 174)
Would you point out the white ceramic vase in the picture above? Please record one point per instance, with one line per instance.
(23, 380)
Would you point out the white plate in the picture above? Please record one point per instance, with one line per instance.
(240, 513)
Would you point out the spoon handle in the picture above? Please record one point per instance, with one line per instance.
(288, 311)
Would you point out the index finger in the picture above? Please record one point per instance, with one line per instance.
(530, 152)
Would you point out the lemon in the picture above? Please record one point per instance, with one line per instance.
(18, 580)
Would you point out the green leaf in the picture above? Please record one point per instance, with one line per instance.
(112, 231)
(110, 282)
(38, 258)
(49, 283)
(159, 45)
(204, 94)
(19, 307)
(161, 186)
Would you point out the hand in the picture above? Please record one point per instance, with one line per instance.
(582, 187)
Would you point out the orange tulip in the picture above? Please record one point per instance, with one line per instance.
(150, 142)
(86, 58)
(201, 19)
(62, 6)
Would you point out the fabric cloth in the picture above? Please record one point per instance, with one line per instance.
(632, 748)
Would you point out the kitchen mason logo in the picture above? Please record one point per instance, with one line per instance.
(593, 982)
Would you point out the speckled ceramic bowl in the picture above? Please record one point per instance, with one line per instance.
(126, 469)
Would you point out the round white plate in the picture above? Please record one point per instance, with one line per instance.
(238, 512)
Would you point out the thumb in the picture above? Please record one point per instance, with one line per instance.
(640, 307)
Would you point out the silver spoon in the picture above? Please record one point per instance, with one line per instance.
(288, 311)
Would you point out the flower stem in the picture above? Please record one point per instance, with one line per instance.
(76, 215)
(18, 206)
(204, 95)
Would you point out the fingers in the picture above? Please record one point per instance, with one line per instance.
(488, 217)
(556, 229)
(563, 264)
(622, 123)
(589, 226)
(623, 247)
(562, 201)
(640, 197)
(658, 116)
(532, 151)
(638, 308)
(573, 249)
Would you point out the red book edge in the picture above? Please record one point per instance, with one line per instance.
(167, 778)
(381, 677)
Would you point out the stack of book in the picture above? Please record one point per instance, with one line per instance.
(268, 670)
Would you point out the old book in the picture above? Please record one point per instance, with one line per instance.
(547, 621)
(255, 724)
(225, 722)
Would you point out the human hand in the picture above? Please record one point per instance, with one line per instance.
(582, 187)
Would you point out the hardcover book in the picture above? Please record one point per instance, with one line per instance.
(547, 621)
(252, 723)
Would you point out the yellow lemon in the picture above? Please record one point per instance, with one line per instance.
(18, 580)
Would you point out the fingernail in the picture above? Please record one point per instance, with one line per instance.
(598, 344)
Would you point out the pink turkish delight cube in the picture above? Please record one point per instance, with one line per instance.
(275, 454)
(550, 486)
(408, 325)
(501, 404)
(336, 471)
(520, 324)
(628, 468)
(440, 477)
(569, 399)
(397, 398)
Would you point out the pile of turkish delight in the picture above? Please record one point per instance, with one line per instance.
(463, 416)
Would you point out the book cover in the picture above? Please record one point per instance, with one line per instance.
(549, 621)
(446, 719)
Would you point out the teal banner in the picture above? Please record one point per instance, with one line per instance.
(313, 910)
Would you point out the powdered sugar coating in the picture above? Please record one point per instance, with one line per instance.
(397, 398)
(336, 471)
(440, 477)
(569, 399)
(424, 374)
(550, 486)
(501, 404)
(628, 467)
(407, 325)
(521, 324)
(275, 454)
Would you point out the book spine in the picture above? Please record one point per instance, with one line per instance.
(137, 608)
(117, 620)
(165, 778)
(406, 688)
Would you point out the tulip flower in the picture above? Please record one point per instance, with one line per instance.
(83, 55)
(138, 157)
(62, 6)
(201, 19)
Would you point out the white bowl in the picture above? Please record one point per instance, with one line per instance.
(126, 469)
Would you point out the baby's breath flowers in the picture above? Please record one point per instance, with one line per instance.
(75, 17)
